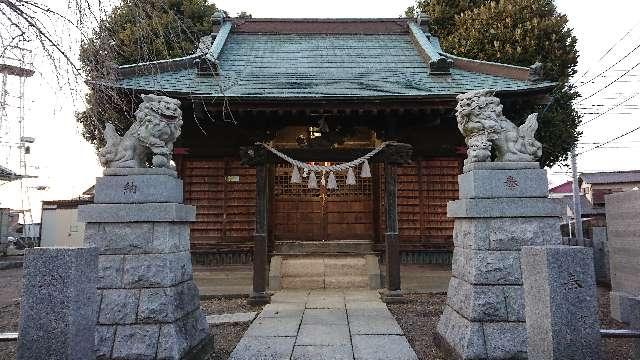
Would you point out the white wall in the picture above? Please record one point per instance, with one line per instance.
(60, 227)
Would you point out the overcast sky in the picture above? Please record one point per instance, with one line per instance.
(67, 164)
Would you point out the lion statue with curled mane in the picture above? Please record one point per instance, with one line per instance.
(480, 119)
(150, 138)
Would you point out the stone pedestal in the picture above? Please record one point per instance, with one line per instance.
(502, 207)
(148, 304)
(561, 303)
(57, 311)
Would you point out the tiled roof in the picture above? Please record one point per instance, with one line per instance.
(66, 204)
(611, 177)
(563, 188)
(321, 65)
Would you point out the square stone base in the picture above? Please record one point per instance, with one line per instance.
(152, 340)
(461, 338)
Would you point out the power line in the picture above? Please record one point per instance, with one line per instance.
(609, 50)
(609, 84)
(610, 67)
(610, 140)
(611, 108)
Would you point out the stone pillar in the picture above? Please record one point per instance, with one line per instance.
(148, 304)
(601, 255)
(561, 303)
(502, 207)
(58, 311)
(623, 232)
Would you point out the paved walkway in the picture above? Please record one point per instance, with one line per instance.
(324, 324)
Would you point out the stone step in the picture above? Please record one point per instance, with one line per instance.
(324, 247)
(318, 272)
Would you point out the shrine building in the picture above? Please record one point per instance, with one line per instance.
(322, 91)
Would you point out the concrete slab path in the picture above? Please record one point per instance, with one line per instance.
(324, 324)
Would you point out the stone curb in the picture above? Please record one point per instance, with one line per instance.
(5, 265)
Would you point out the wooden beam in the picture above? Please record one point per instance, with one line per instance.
(393, 293)
(259, 293)
(393, 155)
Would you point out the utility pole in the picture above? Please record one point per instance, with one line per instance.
(577, 206)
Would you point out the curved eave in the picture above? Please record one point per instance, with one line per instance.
(534, 90)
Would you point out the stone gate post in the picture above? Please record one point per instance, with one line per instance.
(503, 206)
(148, 304)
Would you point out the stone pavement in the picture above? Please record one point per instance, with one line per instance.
(324, 324)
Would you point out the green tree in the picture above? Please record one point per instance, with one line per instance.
(443, 13)
(135, 31)
(518, 32)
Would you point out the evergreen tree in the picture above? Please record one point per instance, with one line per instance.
(518, 32)
(135, 31)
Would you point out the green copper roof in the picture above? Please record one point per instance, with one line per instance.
(321, 65)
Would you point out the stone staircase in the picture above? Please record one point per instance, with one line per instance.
(328, 271)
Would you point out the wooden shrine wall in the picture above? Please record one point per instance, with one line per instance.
(224, 193)
(424, 188)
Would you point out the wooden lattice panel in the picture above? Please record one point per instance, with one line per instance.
(424, 188)
(223, 192)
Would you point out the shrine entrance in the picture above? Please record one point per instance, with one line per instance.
(303, 214)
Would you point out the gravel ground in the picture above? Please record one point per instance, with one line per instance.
(226, 337)
(9, 314)
(418, 318)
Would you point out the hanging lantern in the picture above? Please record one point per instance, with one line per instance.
(351, 178)
(331, 182)
(366, 171)
(313, 182)
(295, 176)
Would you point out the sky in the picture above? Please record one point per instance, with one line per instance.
(67, 165)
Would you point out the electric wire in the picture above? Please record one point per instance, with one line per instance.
(610, 141)
(611, 108)
(607, 52)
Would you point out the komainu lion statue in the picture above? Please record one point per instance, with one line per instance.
(483, 125)
(151, 137)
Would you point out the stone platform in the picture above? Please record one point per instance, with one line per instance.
(148, 304)
(334, 271)
(324, 324)
(502, 208)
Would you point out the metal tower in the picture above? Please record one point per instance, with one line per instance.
(14, 64)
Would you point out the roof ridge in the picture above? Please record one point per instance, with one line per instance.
(491, 68)
(320, 19)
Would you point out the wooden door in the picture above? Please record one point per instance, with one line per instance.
(303, 214)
